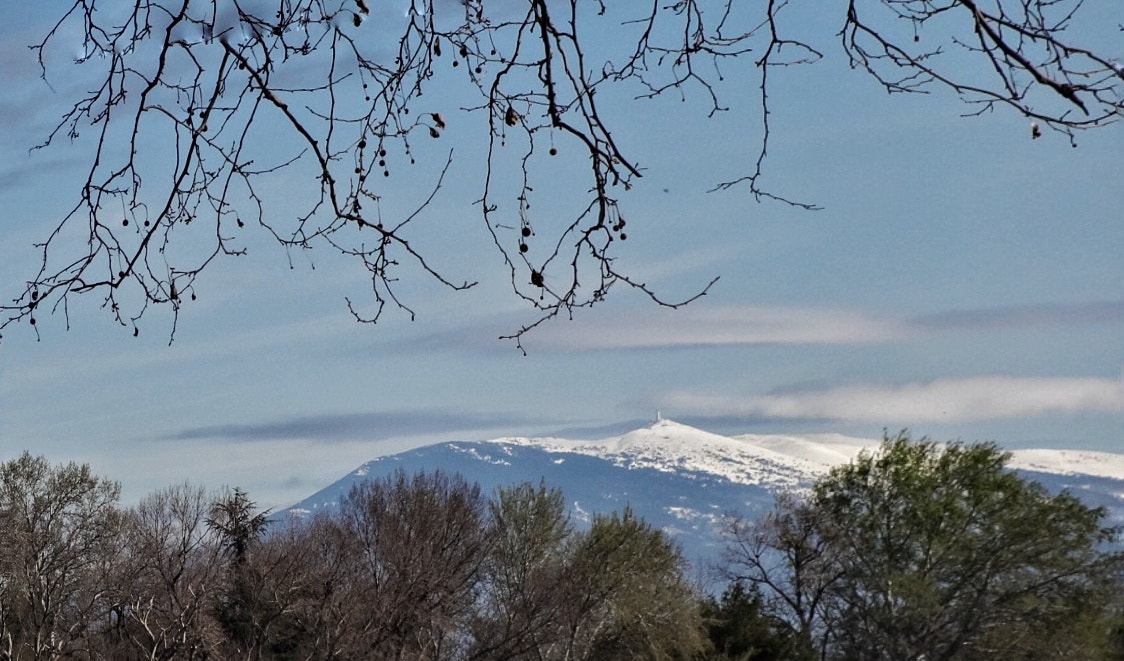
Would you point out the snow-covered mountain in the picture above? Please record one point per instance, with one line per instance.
(684, 480)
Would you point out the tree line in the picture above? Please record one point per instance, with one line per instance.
(916, 551)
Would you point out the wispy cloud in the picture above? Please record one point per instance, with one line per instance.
(1050, 314)
(716, 325)
(354, 426)
(699, 325)
(945, 400)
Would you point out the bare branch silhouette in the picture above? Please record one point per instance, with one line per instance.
(214, 121)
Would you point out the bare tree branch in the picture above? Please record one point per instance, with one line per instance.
(212, 123)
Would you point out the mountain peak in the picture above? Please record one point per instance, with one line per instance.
(682, 479)
(667, 429)
(669, 446)
(667, 423)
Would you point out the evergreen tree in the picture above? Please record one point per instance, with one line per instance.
(239, 526)
(740, 630)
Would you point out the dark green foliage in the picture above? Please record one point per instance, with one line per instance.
(239, 526)
(238, 523)
(946, 553)
(740, 630)
(1115, 641)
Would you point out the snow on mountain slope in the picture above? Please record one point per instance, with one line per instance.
(1069, 462)
(668, 446)
(683, 480)
(819, 452)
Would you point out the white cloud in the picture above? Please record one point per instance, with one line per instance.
(699, 325)
(945, 400)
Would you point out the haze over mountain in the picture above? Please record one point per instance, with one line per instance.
(683, 480)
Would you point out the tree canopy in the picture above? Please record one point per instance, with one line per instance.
(58, 528)
(420, 567)
(916, 552)
(929, 551)
(203, 123)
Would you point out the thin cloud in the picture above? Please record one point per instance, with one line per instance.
(352, 426)
(701, 325)
(698, 325)
(945, 400)
(1048, 314)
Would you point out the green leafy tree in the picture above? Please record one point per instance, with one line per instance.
(627, 597)
(931, 551)
(520, 615)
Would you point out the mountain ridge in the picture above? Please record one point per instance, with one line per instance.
(684, 480)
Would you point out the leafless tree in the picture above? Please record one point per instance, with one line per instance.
(322, 593)
(418, 567)
(788, 559)
(207, 119)
(59, 533)
(419, 543)
(172, 572)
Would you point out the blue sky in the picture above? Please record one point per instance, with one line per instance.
(962, 280)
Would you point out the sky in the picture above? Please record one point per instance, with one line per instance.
(961, 280)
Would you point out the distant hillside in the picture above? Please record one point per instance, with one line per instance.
(683, 479)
